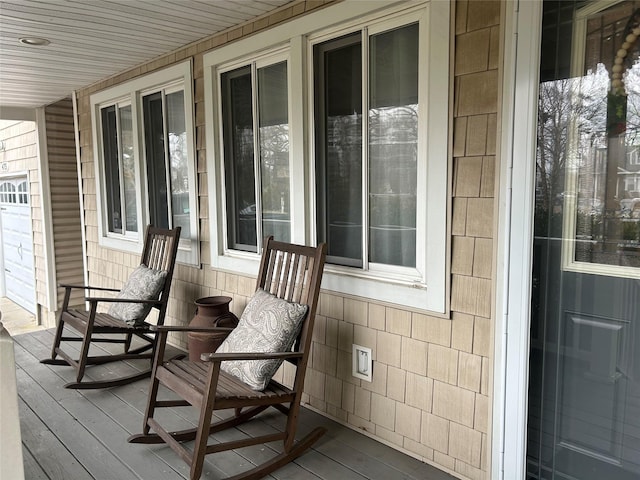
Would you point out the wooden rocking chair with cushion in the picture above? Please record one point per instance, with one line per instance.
(147, 288)
(276, 326)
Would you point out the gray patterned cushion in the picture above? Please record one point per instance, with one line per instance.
(268, 324)
(143, 284)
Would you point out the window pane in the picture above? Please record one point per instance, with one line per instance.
(274, 151)
(111, 169)
(8, 193)
(338, 78)
(238, 159)
(179, 162)
(155, 157)
(128, 168)
(23, 190)
(393, 146)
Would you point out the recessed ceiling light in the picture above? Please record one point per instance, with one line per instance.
(34, 41)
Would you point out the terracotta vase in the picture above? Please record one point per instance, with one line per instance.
(210, 312)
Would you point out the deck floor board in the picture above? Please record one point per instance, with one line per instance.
(32, 470)
(81, 434)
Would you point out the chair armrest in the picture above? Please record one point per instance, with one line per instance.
(120, 300)
(220, 357)
(88, 287)
(187, 328)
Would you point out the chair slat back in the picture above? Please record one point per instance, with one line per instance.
(159, 253)
(294, 273)
(289, 272)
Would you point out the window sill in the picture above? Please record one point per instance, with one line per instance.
(126, 244)
(187, 255)
(404, 293)
(374, 286)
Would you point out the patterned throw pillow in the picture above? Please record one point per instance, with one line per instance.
(268, 324)
(143, 284)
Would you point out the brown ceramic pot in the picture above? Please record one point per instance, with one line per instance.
(210, 312)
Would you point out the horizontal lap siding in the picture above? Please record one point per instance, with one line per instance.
(65, 201)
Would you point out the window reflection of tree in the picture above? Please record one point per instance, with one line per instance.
(572, 134)
(274, 153)
(179, 166)
(393, 150)
(565, 106)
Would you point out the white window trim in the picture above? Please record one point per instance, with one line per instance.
(131, 92)
(431, 292)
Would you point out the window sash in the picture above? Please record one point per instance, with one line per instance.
(167, 159)
(393, 158)
(155, 143)
(239, 146)
(274, 153)
(127, 161)
(119, 168)
(255, 130)
(353, 163)
(111, 168)
(178, 155)
(334, 191)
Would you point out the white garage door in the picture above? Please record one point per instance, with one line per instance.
(17, 242)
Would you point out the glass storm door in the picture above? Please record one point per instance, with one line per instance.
(584, 384)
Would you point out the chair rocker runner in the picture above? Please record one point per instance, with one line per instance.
(237, 376)
(147, 288)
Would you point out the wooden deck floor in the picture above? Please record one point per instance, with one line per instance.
(78, 435)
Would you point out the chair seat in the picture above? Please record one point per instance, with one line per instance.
(103, 322)
(230, 391)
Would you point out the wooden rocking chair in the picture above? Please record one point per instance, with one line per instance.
(289, 273)
(147, 288)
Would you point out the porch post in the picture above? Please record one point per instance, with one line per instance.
(515, 238)
(10, 439)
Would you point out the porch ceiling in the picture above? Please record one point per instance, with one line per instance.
(94, 39)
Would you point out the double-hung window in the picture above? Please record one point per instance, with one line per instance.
(255, 124)
(344, 141)
(146, 160)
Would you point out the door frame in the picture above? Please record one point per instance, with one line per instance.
(521, 54)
